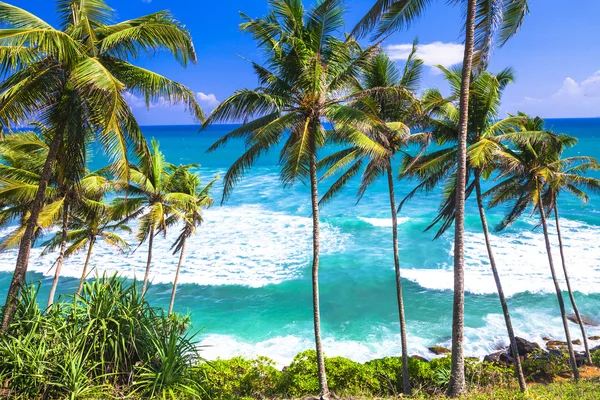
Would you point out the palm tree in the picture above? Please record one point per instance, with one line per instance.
(529, 167)
(188, 183)
(485, 21)
(571, 180)
(67, 187)
(75, 79)
(304, 82)
(152, 196)
(483, 142)
(90, 221)
(382, 72)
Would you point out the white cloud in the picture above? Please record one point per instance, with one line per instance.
(432, 54)
(572, 99)
(209, 99)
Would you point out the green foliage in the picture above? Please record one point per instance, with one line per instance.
(109, 337)
(239, 377)
(544, 366)
(596, 358)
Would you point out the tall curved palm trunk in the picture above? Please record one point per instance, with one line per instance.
(61, 254)
(405, 378)
(509, 328)
(561, 302)
(314, 193)
(457, 375)
(182, 251)
(571, 296)
(148, 262)
(27, 240)
(85, 266)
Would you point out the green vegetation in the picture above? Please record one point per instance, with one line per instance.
(109, 342)
(70, 86)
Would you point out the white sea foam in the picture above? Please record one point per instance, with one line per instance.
(244, 245)
(384, 342)
(383, 222)
(522, 262)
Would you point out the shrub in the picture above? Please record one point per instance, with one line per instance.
(239, 377)
(545, 366)
(108, 336)
(596, 358)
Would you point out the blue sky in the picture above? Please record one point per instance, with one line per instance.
(556, 55)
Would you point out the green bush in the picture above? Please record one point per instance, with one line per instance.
(239, 377)
(107, 337)
(544, 366)
(596, 358)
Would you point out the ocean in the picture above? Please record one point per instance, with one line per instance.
(245, 281)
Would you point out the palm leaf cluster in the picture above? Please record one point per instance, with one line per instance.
(74, 80)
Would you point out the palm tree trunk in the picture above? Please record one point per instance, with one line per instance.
(323, 387)
(561, 302)
(405, 378)
(507, 320)
(150, 242)
(27, 240)
(85, 266)
(61, 254)
(457, 375)
(177, 276)
(571, 296)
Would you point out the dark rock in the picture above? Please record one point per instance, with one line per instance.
(416, 357)
(594, 338)
(526, 347)
(586, 320)
(439, 350)
(555, 343)
(594, 349)
(580, 358)
(576, 342)
(506, 359)
(546, 338)
(494, 357)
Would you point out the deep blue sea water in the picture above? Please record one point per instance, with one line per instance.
(246, 276)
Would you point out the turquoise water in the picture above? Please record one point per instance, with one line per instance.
(246, 276)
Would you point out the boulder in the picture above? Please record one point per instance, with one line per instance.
(494, 357)
(576, 342)
(594, 338)
(417, 357)
(526, 347)
(580, 358)
(555, 343)
(439, 350)
(546, 338)
(586, 320)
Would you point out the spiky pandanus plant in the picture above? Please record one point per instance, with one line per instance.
(191, 214)
(486, 21)
(534, 172)
(304, 81)
(81, 73)
(485, 130)
(394, 136)
(151, 196)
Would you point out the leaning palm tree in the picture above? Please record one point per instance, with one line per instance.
(151, 196)
(573, 180)
(67, 186)
(90, 221)
(529, 166)
(485, 22)
(483, 141)
(304, 82)
(189, 183)
(75, 80)
(394, 137)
